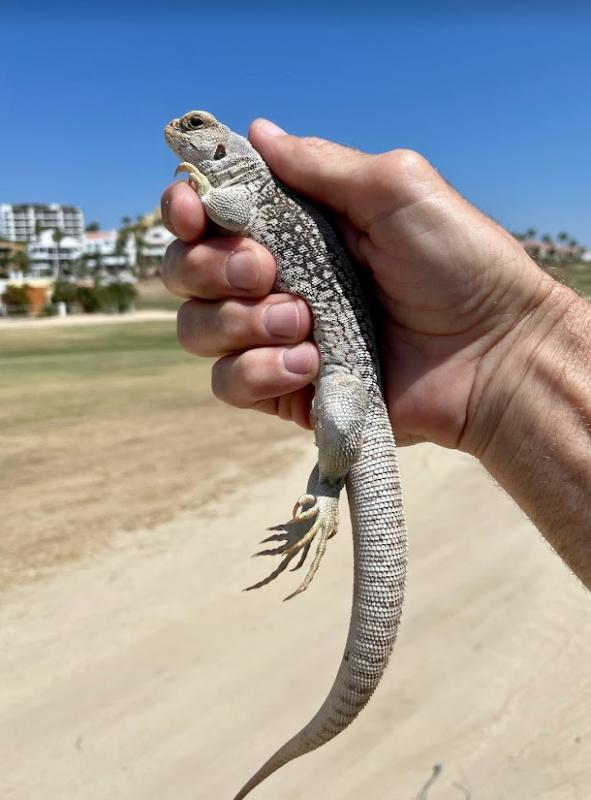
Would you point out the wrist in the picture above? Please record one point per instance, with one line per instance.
(532, 423)
(518, 377)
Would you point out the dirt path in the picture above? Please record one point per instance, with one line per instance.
(145, 674)
(73, 320)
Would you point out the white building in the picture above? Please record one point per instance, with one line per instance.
(102, 249)
(155, 240)
(93, 252)
(47, 258)
(20, 223)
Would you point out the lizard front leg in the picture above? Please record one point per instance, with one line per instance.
(339, 413)
(227, 206)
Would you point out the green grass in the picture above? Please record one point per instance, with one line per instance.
(55, 374)
(582, 282)
(577, 277)
(152, 295)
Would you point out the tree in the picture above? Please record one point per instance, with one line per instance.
(92, 226)
(20, 260)
(126, 222)
(16, 299)
(57, 237)
(530, 233)
(82, 266)
(64, 293)
(562, 236)
(547, 239)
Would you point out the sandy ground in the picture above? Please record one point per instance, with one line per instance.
(148, 315)
(142, 672)
(68, 488)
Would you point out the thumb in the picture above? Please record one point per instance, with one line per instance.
(326, 172)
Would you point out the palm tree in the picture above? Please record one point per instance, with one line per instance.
(57, 237)
(562, 236)
(81, 267)
(530, 233)
(20, 260)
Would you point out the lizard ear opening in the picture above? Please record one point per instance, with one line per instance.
(219, 153)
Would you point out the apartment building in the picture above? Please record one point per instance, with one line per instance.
(22, 222)
(104, 250)
(94, 252)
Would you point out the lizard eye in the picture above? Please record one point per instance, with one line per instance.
(193, 122)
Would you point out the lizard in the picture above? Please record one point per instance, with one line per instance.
(353, 434)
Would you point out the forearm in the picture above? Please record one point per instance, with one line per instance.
(537, 423)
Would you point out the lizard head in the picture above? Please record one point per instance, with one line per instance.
(200, 139)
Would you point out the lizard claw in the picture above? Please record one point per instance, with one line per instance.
(312, 518)
(277, 537)
(303, 557)
(197, 179)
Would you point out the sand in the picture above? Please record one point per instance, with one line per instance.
(140, 671)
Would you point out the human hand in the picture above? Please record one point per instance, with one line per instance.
(452, 288)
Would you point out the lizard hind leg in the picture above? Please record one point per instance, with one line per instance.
(315, 518)
(340, 407)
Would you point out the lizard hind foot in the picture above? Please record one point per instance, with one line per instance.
(314, 518)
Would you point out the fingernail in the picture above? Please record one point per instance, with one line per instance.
(242, 270)
(269, 128)
(298, 359)
(282, 319)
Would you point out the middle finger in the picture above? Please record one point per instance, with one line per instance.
(233, 325)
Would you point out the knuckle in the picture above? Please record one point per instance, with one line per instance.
(253, 375)
(217, 379)
(191, 330)
(233, 321)
(245, 375)
(169, 272)
(226, 383)
(406, 163)
(185, 325)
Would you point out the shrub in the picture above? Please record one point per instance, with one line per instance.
(16, 299)
(89, 299)
(117, 296)
(48, 311)
(64, 293)
(112, 297)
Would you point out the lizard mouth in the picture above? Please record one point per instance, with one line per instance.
(172, 132)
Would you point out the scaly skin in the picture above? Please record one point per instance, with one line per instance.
(353, 433)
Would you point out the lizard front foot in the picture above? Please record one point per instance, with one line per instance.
(197, 180)
(314, 517)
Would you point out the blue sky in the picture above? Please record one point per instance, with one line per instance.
(498, 99)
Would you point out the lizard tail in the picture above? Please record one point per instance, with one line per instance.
(380, 553)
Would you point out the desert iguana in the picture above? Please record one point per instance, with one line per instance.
(353, 433)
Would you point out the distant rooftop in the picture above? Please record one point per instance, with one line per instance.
(39, 206)
(99, 234)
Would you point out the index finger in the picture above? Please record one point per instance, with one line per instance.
(183, 212)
